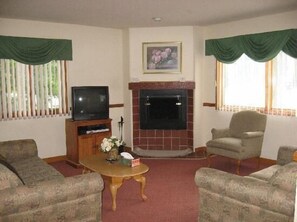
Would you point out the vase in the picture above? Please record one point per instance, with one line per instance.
(112, 155)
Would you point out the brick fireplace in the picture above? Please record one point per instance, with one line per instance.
(162, 139)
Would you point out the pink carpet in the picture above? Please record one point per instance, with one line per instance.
(171, 190)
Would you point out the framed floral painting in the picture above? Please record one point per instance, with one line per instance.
(163, 57)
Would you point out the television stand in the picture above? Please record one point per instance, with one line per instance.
(83, 138)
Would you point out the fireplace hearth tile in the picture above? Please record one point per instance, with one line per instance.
(159, 139)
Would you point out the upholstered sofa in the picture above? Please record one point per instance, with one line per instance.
(266, 195)
(32, 190)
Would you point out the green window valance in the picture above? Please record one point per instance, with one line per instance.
(35, 51)
(260, 47)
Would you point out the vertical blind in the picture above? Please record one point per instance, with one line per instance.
(284, 83)
(31, 91)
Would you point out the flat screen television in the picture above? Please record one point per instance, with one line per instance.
(90, 102)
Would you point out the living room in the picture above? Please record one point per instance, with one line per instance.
(113, 57)
(95, 52)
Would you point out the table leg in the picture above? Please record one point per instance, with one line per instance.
(85, 170)
(141, 179)
(114, 185)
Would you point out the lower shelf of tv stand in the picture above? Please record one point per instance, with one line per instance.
(80, 146)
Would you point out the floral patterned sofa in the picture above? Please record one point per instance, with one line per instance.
(266, 195)
(32, 190)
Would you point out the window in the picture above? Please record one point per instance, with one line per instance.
(270, 87)
(32, 90)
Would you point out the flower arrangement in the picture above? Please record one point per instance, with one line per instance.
(110, 143)
(163, 57)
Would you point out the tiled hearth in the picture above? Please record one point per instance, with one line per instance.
(162, 139)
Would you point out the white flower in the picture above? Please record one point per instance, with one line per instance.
(111, 142)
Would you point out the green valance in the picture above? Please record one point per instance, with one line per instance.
(260, 47)
(35, 51)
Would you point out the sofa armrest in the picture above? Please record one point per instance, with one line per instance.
(219, 133)
(15, 150)
(285, 154)
(48, 197)
(246, 190)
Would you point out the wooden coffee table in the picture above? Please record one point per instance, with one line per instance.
(115, 173)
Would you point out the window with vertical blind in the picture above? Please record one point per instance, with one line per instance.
(256, 71)
(33, 77)
(269, 87)
(32, 90)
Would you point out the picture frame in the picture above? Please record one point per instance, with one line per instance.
(162, 57)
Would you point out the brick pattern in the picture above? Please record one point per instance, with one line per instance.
(161, 85)
(162, 139)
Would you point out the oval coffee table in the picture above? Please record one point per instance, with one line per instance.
(115, 173)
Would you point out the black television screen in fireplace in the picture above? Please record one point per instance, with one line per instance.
(163, 109)
(90, 102)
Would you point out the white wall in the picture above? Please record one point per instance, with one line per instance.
(165, 34)
(97, 60)
(279, 130)
(127, 93)
(198, 76)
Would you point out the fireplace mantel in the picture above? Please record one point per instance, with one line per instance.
(156, 138)
(162, 85)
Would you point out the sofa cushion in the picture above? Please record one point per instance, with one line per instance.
(15, 150)
(266, 173)
(285, 154)
(285, 177)
(8, 179)
(226, 143)
(34, 169)
(4, 162)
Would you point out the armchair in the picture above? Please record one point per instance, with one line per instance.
(242, 140)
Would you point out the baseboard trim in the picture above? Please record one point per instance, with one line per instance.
(127, 149)
(267, 161)
(202, 149)
(55, 159)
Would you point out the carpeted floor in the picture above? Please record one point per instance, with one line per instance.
(171, 190)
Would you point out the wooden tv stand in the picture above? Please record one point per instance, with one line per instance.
(84, 137)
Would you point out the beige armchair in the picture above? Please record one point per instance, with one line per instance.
(242, 140)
